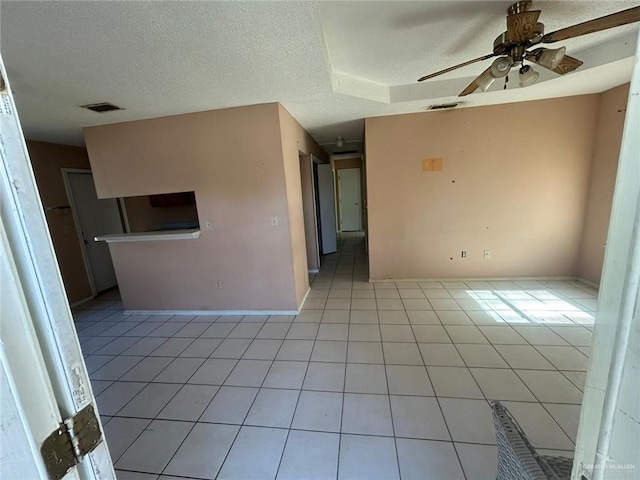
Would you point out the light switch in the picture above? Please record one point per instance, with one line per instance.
(275, 221)
(208, 225)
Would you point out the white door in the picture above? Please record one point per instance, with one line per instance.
(43, 377)
(29, 409)
(95, 217)
(350, 198)
(327, 201)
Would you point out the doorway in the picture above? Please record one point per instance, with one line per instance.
(349, 199)
(318, 207)
(93, 217)
(309, 212)
(326, 199)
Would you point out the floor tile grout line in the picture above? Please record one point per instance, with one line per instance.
(333, 391)
(344, 386)
(286, 441)
(545, 409)
(156, 416)
(235, 358)
(250, 407)
(386, 380)
(212, 398)
(444, 419)
(430, 439)
(143, 357)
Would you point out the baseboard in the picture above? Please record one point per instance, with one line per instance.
(211, 312)
(478, 279)
(304, 299)
(80, 302)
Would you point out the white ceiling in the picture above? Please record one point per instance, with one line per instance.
(331, 64)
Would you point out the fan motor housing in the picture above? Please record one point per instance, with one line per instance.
(503, 46)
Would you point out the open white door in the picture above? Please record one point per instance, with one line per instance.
(93, 217)
(327, 206)
(44, 379)
(29, 409)
(609, 432)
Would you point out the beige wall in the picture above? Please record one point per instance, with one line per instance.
(233, 160)
(48, 160)
(608, 135)
(295, 140)
(515, 182)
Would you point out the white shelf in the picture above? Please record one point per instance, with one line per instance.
(150, 236)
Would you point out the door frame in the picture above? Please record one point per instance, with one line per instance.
(38, 276)
(359, 169)
(328, 220)
(74, 212)
(308, 191)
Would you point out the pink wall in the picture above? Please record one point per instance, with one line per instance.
(607, 139)
(48, 160)
(233, 160)
(515, 182)
(296, 140)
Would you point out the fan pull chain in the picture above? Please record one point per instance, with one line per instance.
(506, 80)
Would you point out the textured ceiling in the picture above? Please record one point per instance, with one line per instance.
(331, 64)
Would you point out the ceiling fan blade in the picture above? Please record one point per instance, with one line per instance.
(473, 86)
(446, 70)
(567, 64)
(624, 17)
(520, 26)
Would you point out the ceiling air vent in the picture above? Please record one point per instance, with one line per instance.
(102, 107)
(345, 152)
(444, 106)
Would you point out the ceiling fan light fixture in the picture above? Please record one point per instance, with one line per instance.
(528, 76)
(485, 80)
(501, 67)
(551, 57)
(339, 142)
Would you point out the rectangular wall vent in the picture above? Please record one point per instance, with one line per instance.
(102, 107)
(444, 106)
(345, 152)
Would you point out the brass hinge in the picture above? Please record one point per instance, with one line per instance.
(70, 442)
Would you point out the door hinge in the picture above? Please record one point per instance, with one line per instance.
(70, 442)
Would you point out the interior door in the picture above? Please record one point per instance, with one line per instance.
(327, 206)
(96, 217)
(29, 409)
(350, 198)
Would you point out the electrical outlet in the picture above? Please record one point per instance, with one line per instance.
(208, 225)
(218, 283)
(463, 254)
(487, 254)
(275, 221)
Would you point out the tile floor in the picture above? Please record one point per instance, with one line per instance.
(370, 381)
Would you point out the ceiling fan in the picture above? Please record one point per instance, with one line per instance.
(523, 32)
